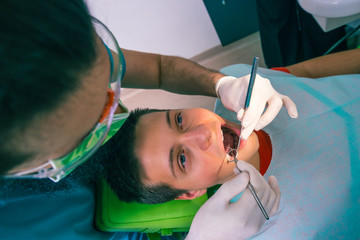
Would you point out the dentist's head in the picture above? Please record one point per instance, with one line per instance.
(54, 76)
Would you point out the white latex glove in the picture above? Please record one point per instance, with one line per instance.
(220, 219)
(232, 93)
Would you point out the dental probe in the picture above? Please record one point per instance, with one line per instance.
(252, 190)
(246, 105)
(249, 91)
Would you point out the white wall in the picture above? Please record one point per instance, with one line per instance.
(173, 27)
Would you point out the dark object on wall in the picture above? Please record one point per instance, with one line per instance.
(232, 19)
(290, 35)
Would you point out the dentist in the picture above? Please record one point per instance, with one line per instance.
(60, 78)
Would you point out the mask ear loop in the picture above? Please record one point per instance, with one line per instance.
(108, 105)
(110, 92)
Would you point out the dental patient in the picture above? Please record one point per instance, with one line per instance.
(179, 154)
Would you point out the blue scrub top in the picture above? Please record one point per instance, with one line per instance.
(64, 215)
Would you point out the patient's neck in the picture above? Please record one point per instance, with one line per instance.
(262, 158)
(255, 161)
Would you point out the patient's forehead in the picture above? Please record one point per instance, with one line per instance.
(149, 129)
(151, 141)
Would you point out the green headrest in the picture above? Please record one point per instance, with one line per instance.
(113, 215)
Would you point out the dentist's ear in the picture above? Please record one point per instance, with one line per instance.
(191, 194)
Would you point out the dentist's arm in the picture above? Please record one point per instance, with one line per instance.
(220, 219)
(346, 62)
(178, 75)
(173, 74)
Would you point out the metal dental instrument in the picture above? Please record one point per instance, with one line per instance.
(252, 190)
(247, 102)
(250, 88)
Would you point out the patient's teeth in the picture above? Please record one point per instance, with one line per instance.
(222, 134)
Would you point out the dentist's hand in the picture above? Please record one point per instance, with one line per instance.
(220, 219)
(232, 93)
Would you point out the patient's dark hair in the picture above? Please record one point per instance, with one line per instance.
(122, 169)
(115, 160)
(44, 48)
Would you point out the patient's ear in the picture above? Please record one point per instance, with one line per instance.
(191, 194)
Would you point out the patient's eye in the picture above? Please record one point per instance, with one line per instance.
(182, 160)
(179, 120)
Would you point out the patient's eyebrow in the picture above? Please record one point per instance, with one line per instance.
(171, 154)
(171, 162)
(168, 118)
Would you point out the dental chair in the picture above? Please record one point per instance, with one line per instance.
(156, 220)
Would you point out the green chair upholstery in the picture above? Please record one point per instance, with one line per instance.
(113, 215)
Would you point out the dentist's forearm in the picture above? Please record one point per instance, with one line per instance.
(346, 62)
(186, 77)
(174, 74)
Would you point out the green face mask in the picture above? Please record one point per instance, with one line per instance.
(57, 169)
(65, 165)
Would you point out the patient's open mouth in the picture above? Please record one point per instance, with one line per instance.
(230, 139)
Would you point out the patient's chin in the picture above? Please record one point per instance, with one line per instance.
(228, 177)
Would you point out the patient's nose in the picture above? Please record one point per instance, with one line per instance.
(200, 135)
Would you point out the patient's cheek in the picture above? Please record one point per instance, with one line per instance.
(242, 144)
(249, 149)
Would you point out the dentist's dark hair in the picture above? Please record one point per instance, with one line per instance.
(123, 171)
(44, 47)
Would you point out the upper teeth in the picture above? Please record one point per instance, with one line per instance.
(222, 134)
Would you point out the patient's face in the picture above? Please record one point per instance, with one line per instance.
(186, 149)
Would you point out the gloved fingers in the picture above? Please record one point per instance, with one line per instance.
(251, 118)
(274, 184)
(274, 106)
(253, 112)
(270, 196)
(240, 114)
(250, 169)
(223, 81)
(230, 90)
(257, 180)
(233, 187)
(290, 106)
(246, 131)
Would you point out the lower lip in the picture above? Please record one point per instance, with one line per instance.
(242, 143)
